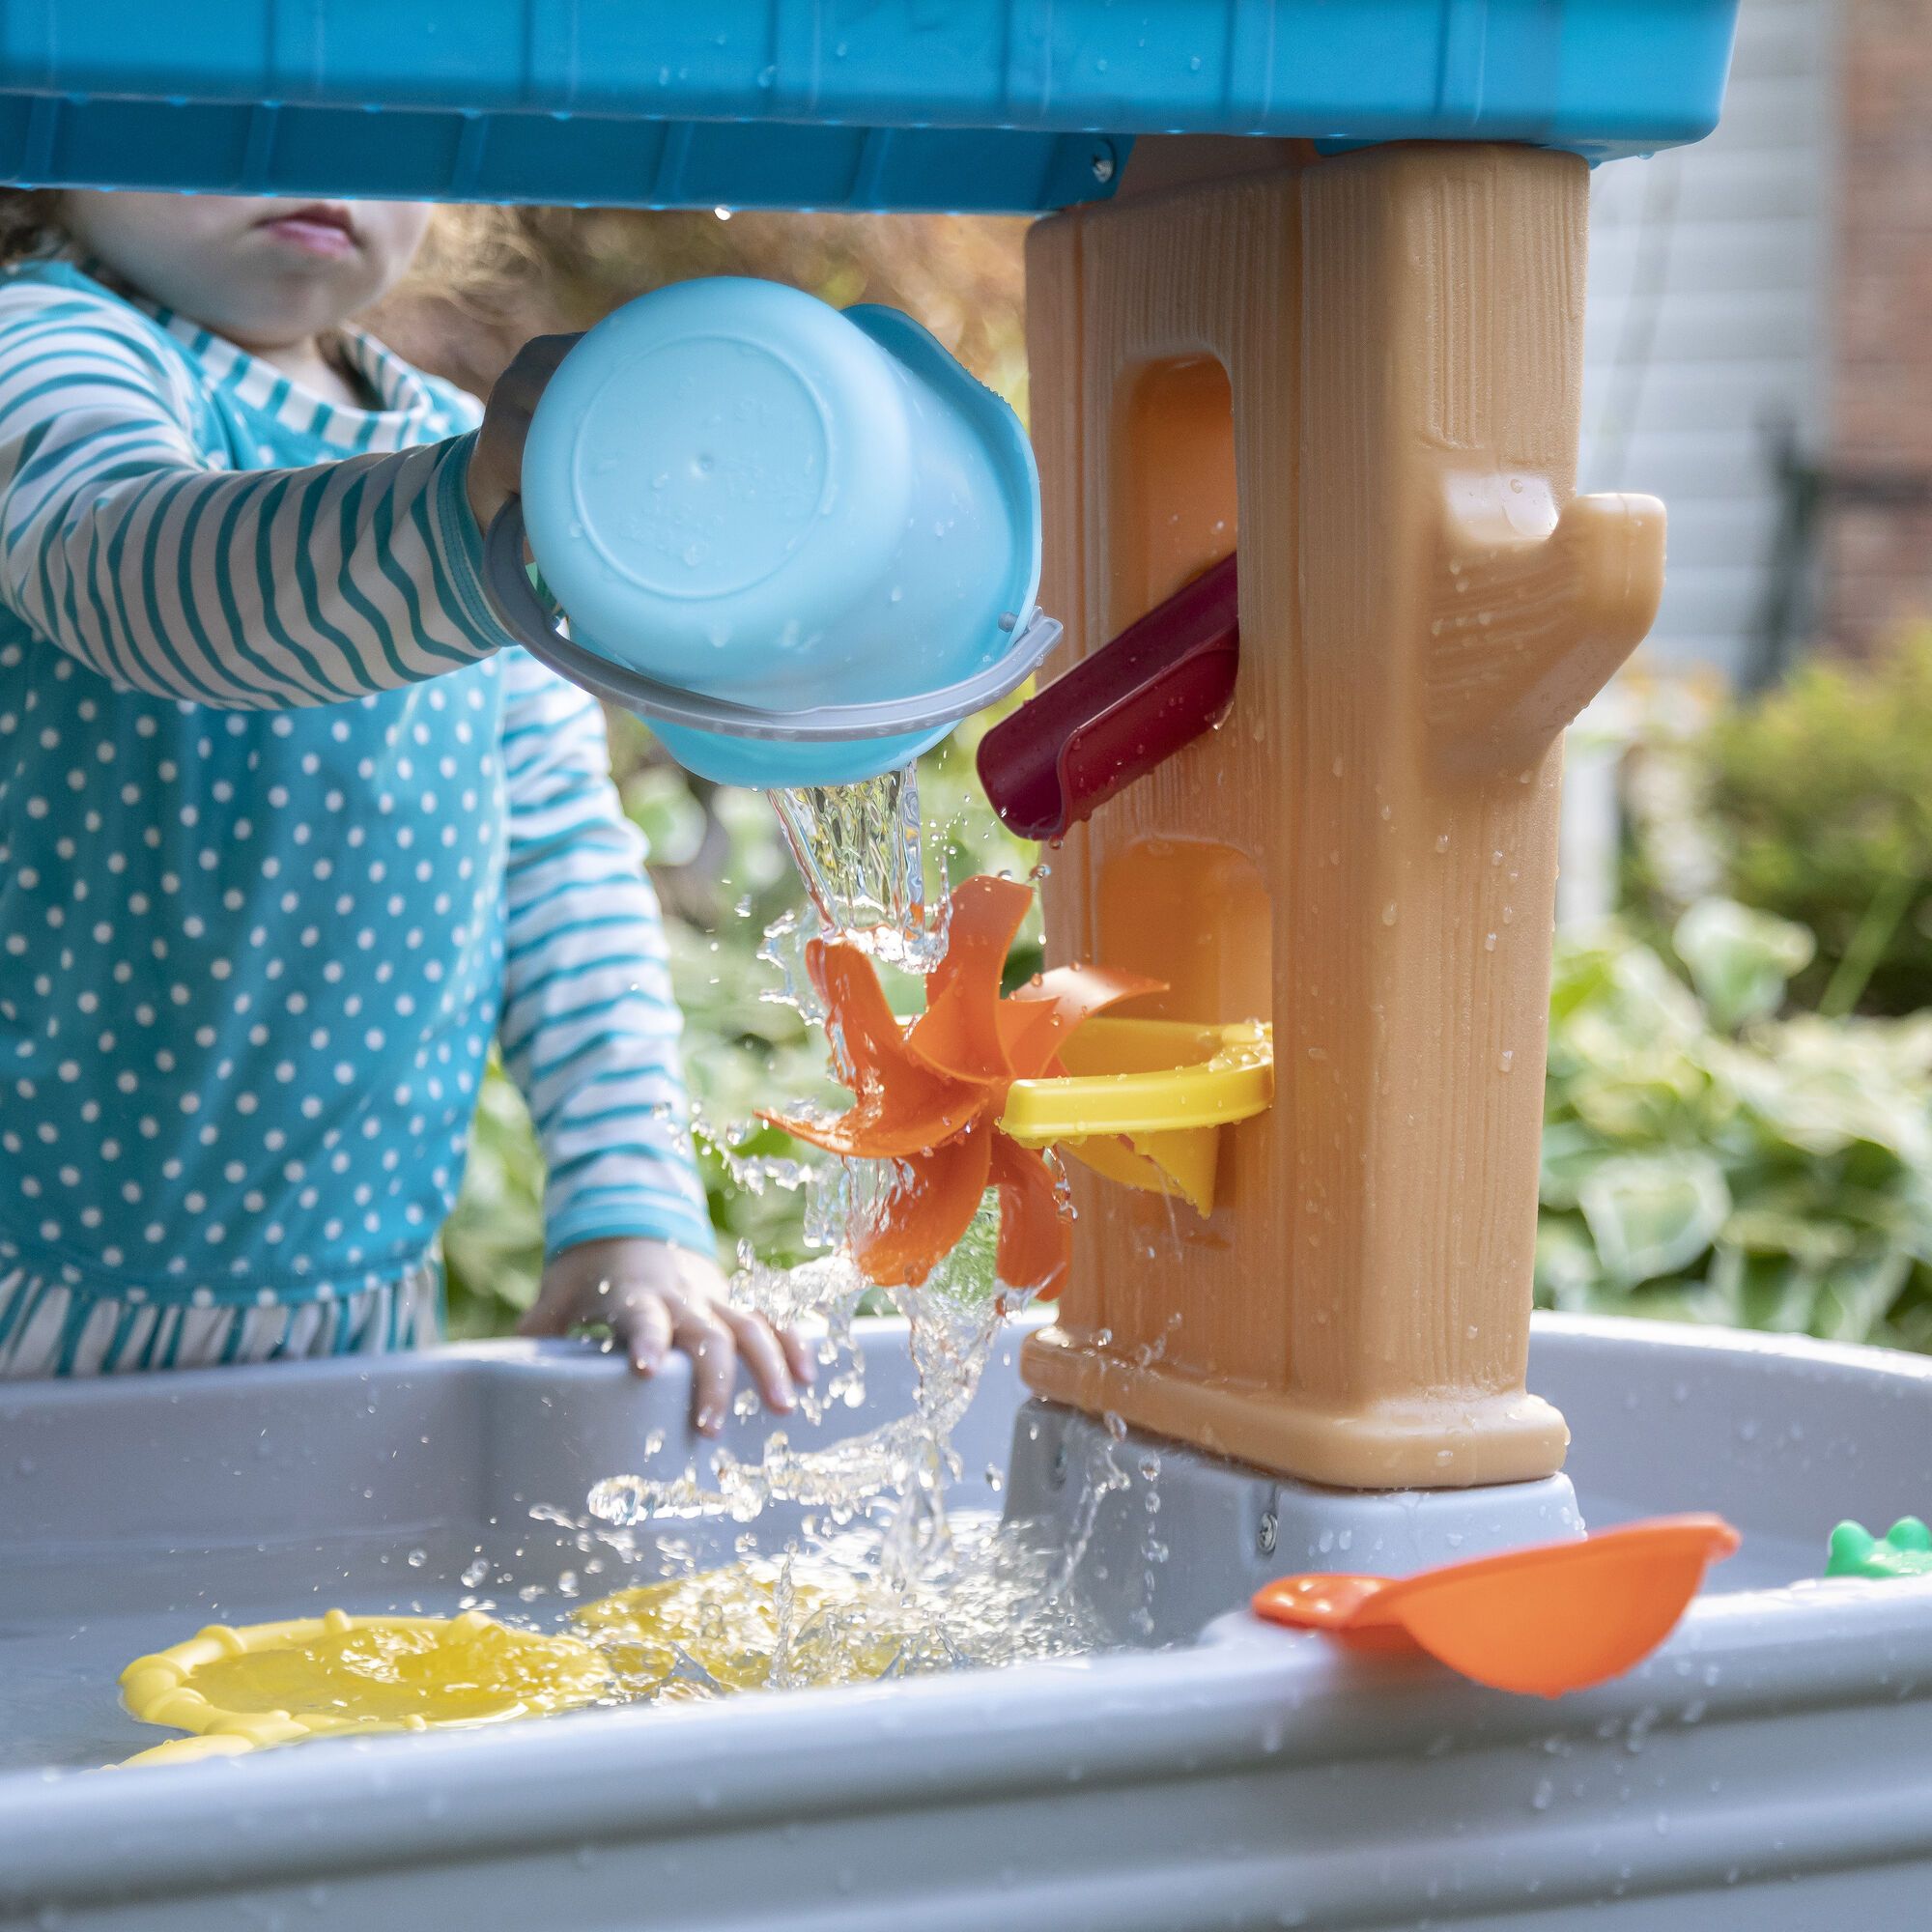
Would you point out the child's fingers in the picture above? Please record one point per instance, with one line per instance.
(644, 1327)
(548, 1314)
(798, 1355)
(533, 365)
(714, 1364)
(522, 383)
(764, 1357)
(656, 1298)
(495, 464)
(780, 1362)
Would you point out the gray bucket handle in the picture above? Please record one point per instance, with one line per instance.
(522, 611)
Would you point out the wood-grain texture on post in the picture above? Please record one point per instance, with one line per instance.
(1372, 362)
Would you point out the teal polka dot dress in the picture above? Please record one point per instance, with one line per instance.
(289, 832)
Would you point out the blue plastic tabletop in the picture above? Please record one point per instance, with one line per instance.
(962, 104)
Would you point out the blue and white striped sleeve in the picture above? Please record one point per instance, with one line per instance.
(589, 1029)
(130, 546)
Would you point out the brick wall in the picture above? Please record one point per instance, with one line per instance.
(1879, 554)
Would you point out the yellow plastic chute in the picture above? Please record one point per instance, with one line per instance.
(1143, 1101)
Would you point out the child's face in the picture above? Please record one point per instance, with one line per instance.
(265, 272)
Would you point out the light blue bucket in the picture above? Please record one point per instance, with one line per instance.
(803, 544)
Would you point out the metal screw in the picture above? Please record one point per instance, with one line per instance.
(1269, 1529)
(1103, 164)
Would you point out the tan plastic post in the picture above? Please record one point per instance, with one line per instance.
(1375, 360)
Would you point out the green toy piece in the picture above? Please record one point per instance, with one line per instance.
(1906, 1552)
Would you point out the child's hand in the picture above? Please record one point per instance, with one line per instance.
(497, 464)
(656, 1298)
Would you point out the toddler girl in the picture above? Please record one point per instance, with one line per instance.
(289, 828)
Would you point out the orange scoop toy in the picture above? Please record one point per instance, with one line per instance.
(1557, 1617)
(929, 1096)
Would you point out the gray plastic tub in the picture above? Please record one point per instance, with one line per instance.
(1771, 1768)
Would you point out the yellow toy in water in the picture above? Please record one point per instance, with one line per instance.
(243, 1689)
(272, 1684)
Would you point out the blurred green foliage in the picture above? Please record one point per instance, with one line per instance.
(1815, 803)
(1703, 1160)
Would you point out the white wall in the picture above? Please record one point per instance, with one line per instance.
(1708, 321)
(1708, 318)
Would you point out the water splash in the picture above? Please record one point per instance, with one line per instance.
(831, 1614)
(860, 852)
(953, 1320)
(885, 1581)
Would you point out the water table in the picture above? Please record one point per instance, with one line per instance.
(1310, 282)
